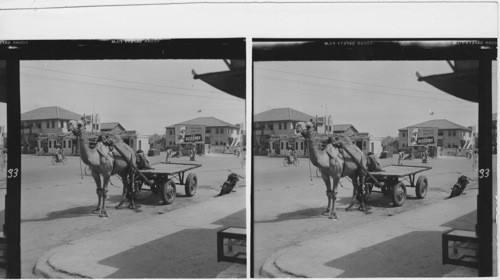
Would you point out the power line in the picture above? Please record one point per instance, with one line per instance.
(128, 88)
(346, 81)
(116, 80)
(355, 89)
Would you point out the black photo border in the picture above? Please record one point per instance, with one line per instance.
(14, 51)
(483, 50)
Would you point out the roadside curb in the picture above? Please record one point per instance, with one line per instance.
(43, 269)
(80, 259)
(283, 263)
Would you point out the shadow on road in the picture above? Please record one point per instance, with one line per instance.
(396, 258)
(189, 253)
(64, 214)
(296, 215)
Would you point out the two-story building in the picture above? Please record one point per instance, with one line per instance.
(274, 133)
(453, 139)
(45, 129)
(219, 135)
(280, 124)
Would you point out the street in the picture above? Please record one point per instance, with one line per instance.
(288, 201)
(56, 205)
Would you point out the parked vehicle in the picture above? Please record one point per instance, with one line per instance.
(229, 184)
(460, 185)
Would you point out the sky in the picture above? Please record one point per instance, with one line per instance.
(378, 97)
(142, 95)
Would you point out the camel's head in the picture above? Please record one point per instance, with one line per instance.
(304, 128)
(76, 127)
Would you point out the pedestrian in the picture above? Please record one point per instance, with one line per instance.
(475, 160)
(401, 155)
(243, 157)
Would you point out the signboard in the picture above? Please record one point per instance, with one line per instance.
(422, 136)
(189, 134)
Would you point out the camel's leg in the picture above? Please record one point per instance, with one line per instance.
(354, 193)
(124, 193)
(328, 185)
(97, 179)
(333, 197)
(105, 179)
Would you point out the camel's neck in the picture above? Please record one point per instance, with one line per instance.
(313, 150)
(87, 154)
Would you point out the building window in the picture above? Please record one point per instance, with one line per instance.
(271, 126)
(64, 144)
(449, 133)
(454, 133)
(440, 133)
(279, 126)
(53, 124)
(208, 131)
(404, 134)
(302, 145)
(171, 132)
(69, 144)
(296, 145)
(50, 144)
(216, 142)
(282, 145)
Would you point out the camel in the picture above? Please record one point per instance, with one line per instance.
(103, 162)
(334, 165)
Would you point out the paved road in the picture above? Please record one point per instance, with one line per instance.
(56, 204)
(288, 202)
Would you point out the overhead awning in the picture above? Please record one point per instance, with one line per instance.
(462, 83)
(232, 82)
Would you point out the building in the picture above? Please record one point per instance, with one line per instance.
(273, 132)
(277, 123)
(45, 129)
(218, 134)
(453, 139)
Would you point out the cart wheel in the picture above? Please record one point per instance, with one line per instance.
(64, 160)
(399, 194)
(191, 184)
(285, 162)
(421, 187)
(168, 192)
(53, 160)
(296, 162)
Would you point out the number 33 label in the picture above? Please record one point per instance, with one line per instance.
(484, 173)
(12, 173)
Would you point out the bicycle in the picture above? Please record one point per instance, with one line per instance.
(295, 161)
(56, 160)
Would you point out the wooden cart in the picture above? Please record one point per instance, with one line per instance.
(164, 177)
(392, 182)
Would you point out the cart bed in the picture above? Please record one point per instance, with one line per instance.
(399, 170)
(169, 168)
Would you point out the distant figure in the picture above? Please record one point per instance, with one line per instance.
(243, 157)
(3, 162)
(401, 155)
(475, 160)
